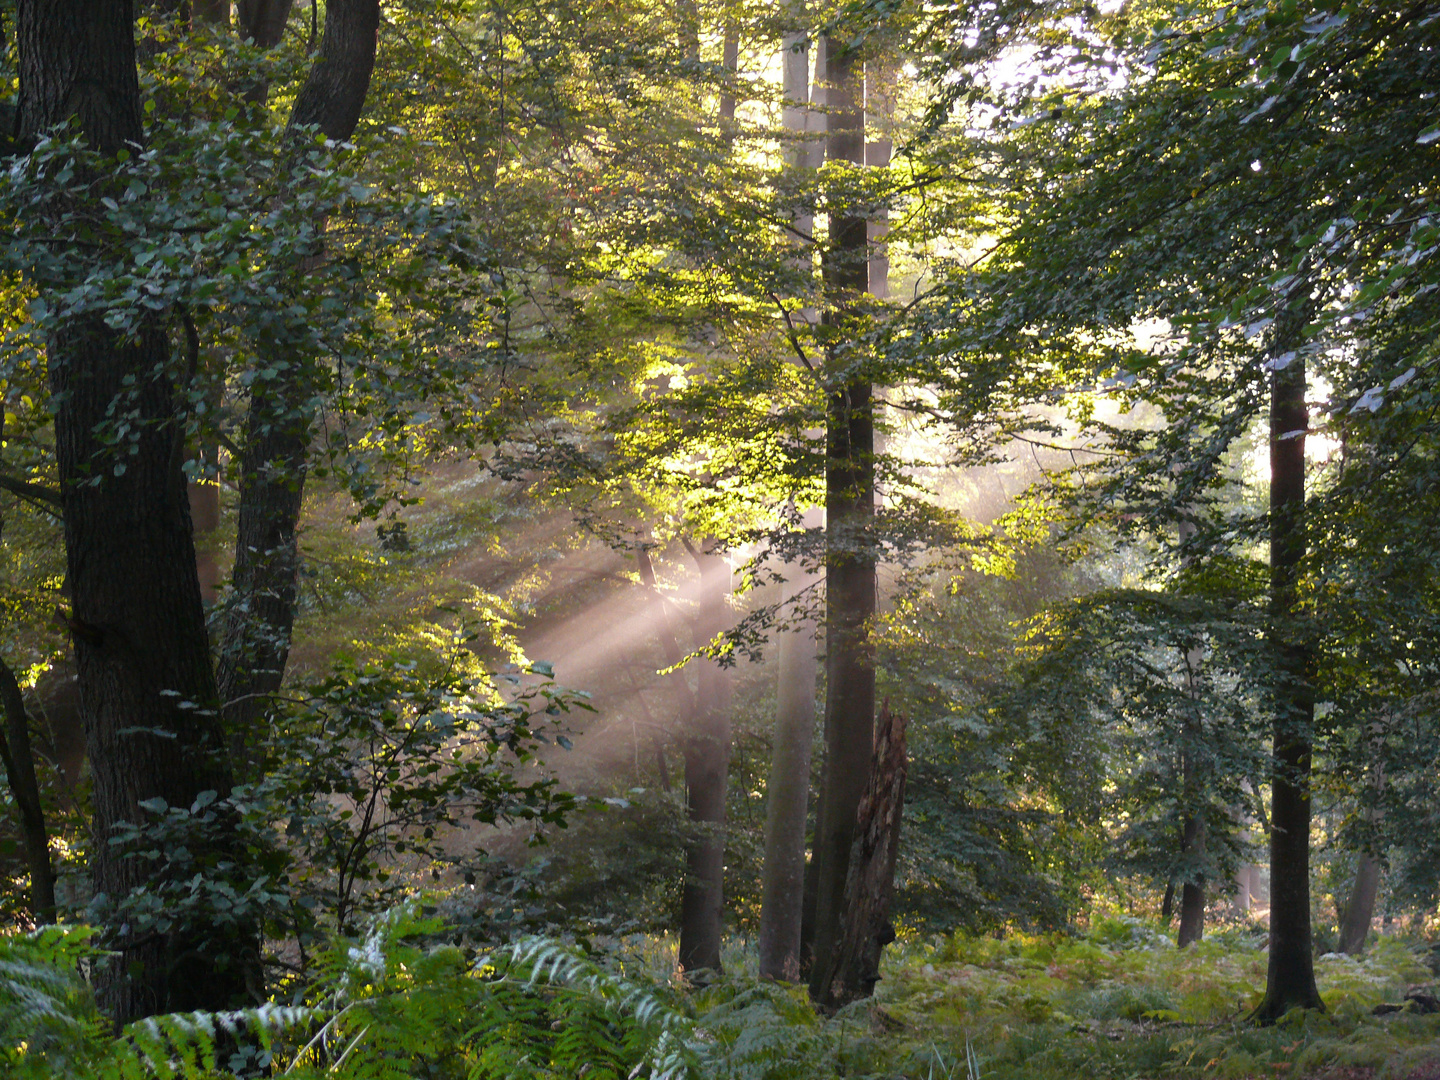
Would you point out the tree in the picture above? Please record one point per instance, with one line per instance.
(276, 450)
(146, 685)
(850, 597)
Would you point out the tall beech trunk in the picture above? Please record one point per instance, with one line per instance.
(1192, 892)
(849, 560)
(707, 770)
(787, 794)
(851, 971)
(147, 690)
(787, 791)
(1290, 978)
(1360, 906)
(255, 642)
(19, 761)
(1194, 781)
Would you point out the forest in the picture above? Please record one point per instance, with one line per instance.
(619, 539)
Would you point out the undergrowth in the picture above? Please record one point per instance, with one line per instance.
(406, 1001)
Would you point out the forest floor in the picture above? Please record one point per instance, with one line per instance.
(1120, 1002)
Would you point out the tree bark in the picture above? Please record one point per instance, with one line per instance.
(853, 968)
(19, 762)
(262, 22)
(707, 770)
(1192, 892)
(1290, 978)
(787, 797)
(255, 641)
(1360, 908)
(849, 562)
(1194, 781)
(787, 791)
(147, 691)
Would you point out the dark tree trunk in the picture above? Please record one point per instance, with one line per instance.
(707, 769)
(849, 560)
(1192, 892)
(853, 968)
(255, 642)
(263, 21)
(787, 796)
(1290, 979)
(211, 12)
(1167, 906)
(147, 691)
(19, 763)
(1194, 781)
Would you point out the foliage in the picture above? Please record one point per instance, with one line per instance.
(378, 765)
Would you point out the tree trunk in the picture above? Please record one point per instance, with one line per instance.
(707, 769)
(19, 761)
(849, 561)
(1290, 979)
(1193, 782)
(1192, 892)
(853, 968)
(147, 690)
(880, 89)
(255, 645)
(787, 796)
(787, 792)
(263, 21)
(1360, 909)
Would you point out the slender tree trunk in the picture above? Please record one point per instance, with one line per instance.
(850, 563)
(1192, 892)
(787, 797)
(788, 788)
(1290, 979)
(1360, 908)
(880, 82)
(19, 762)
(147, 690)
(707, 770)
(1194, 782)
(255, 644)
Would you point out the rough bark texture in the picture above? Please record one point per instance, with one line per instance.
(19, 761)
(707, 770)
(787, 796)
(849, 561)
(255, 639)
(853, 968)
(1290, 979)
(147, 691)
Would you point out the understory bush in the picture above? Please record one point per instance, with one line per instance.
(410, 998)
